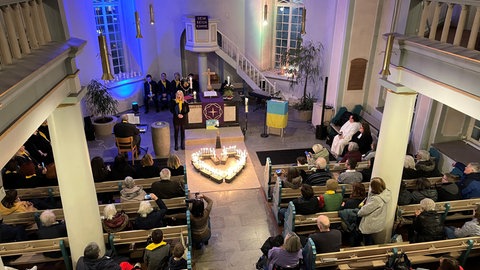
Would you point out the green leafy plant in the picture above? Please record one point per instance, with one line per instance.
(228, 91)
(100, 102)
(306, 103)
(304, 63)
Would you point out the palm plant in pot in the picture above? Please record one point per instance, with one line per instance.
(102, 106)
(305, 66)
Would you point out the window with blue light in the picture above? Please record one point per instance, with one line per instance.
(288, 27)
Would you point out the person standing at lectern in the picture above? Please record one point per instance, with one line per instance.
(150, 88)
(125, 129)
(179, 108)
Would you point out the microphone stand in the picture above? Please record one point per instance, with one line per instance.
(265, 134)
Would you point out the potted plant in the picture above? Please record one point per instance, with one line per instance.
(304, 64)
(102, 106)
(228, 92)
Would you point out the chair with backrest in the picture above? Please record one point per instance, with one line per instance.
(126, 145)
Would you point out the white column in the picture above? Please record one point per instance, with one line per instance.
(202, 68)
(75, 179)
(391, 149)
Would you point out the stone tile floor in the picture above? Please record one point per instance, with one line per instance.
(242, 219)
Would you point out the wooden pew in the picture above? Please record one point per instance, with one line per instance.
(269, 175)
(456, 208)
(306, 224)
(130, 209)
(375, 256)
(31, 251)
(100, 187)
(282, 196)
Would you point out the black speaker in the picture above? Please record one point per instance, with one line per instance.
(320, 132)
(89, 130)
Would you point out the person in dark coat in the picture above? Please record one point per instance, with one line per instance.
(177, 262)
(320, 176)
(470, 184)
(428, 224)
(179, 109)
(50, 228)
(148, 217)
(305, 205)
(150, 88)
(121, 169)
(164, 91)
(363, 137)
(358, 195)
(326, 240)
(175, 165)
(448, 190)
(167, 189)
(125, 129)
(425, 165)
(148, 169)
(404, 196)
(409, 171)
(424, 190)
(91, 260)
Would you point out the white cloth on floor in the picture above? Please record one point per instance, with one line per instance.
(347, 130)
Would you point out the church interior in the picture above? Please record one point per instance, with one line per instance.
(408, 68)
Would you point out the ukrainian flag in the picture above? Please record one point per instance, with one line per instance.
(277, 113)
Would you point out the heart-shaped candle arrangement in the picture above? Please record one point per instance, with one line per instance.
(206, 160)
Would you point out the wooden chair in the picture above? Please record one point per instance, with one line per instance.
(126, 145)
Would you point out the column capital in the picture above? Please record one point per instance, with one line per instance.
(396, 88)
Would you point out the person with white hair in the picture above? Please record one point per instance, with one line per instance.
(149, 217)
(166, 188)
(425, 165)
(131, 192)
(320, 176)
(114, 221)
(49, 228)
(318, 151)
(428, 224)
(409, 171)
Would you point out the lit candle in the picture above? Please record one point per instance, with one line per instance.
(228, 80)
(194, 94)
(246, 105)
(191, 84)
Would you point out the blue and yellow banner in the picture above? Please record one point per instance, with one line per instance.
(277, 113)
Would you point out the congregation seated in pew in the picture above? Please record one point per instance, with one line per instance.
(305, 205)
(326, 239)
(424, 190)
(166, 188)
(148, 217)
(352, 153)
(175, 165)
(350, 176)
(114, 221)
(320, 176)
(148, 168)
(428, 224)
(470, 228)
(332, 200)
(131, 192)
(448, 189)
(49, 228)
(121, 168)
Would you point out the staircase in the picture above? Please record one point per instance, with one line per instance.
(251, 74)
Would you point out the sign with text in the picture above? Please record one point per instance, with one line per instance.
(201, 22)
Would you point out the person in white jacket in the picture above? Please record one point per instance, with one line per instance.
(345, 135)
(374, 211)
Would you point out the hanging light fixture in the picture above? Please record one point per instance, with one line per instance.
(265, 14)
(389, 47)
(137, 24)
(304, 18)
(107, 73)
(152, 17)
